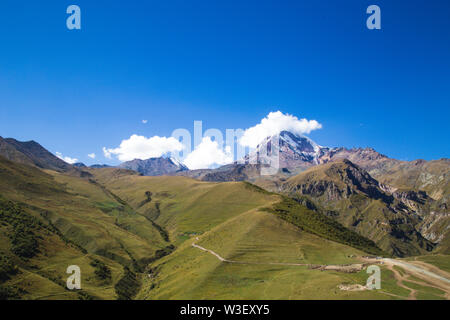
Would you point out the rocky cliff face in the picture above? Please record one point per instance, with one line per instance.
(433, 177)
(366, 158)
(352, 196)
(337, 181)
(435, 227)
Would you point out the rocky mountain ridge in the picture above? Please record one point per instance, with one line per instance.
(31, 153)
(154, 166)
(350, 195)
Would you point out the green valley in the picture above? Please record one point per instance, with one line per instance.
(175, 237)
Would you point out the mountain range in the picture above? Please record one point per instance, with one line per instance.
(140, 230)
(154, 166)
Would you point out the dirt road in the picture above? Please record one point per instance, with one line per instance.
(212, 252)
(416, 269)
(419, 270)
(423, 271)
(343, 268)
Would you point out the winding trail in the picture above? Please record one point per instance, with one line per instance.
(321, 267)
(212, 252)
(243, 262)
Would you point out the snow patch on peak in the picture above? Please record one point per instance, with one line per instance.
(175, 161)
(178, 163)
(295, 150)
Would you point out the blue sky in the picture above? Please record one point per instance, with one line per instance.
(227, 63)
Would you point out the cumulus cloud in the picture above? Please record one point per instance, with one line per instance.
(106, 153)
(92, 155)
(66, 159)
(208, 154)
(140, 147)
(274, 123)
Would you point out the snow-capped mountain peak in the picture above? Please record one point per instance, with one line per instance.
(293, 150)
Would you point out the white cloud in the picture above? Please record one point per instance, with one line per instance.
(274, 123)
(92, 155)
(66, 159)
(144, 121)
(208, 154)
(106, 153)
(140, 147)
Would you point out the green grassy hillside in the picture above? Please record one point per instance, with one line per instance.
(188, 207)
(319, 224)
(133, 237)
(83, 211)
(262, 247)
(184, 206)
(38, 255)
(91, 224)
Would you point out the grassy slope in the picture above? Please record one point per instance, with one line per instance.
(226, 218)
(321, 225)
(442, 261)
(185, 206)
(256, 238)
(130, 229)
(115, 221)
(82, 212)
(42, 275)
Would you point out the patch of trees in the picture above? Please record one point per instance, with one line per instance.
(317, 223)
(164, 234)
(24, 243)
(10, 292)
(159, 254)
(148, 198)
(128, 286)
(101, 270)
(7, 268)
(23, 237)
